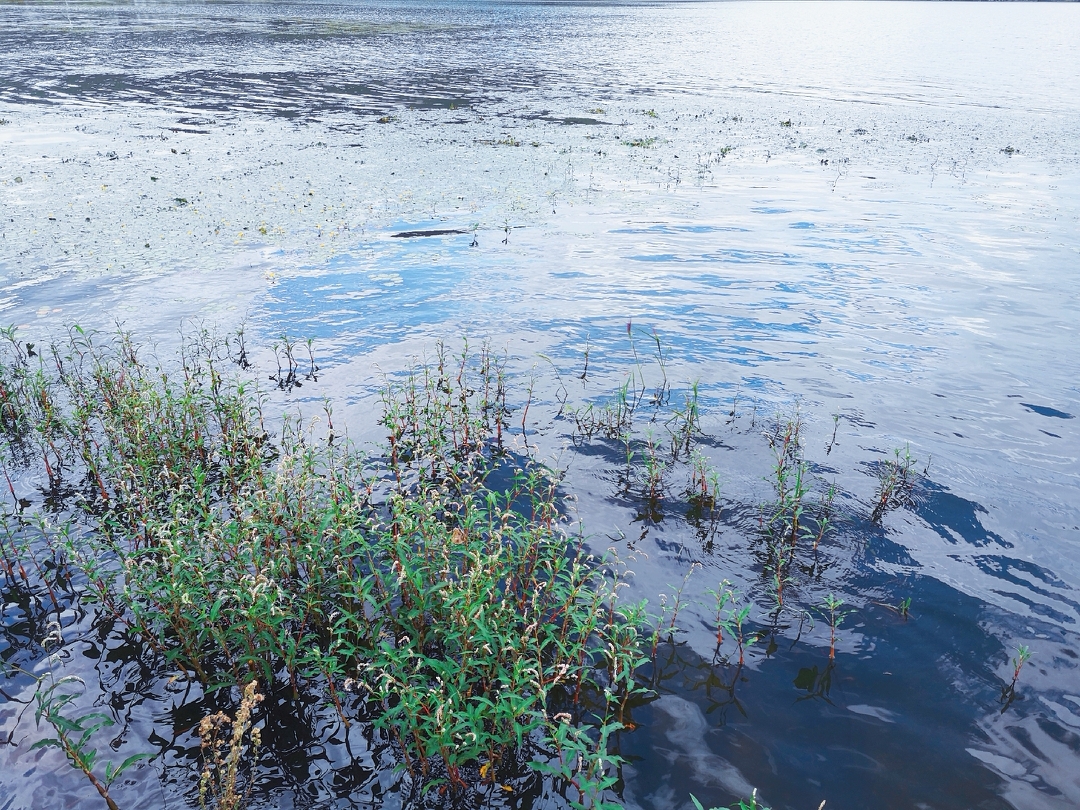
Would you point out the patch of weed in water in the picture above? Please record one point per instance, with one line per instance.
(432, 591)
(896, 481)
(458, 617)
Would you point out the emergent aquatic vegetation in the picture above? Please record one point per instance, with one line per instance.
(464, 616)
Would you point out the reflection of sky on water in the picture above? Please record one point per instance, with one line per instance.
(391, 289)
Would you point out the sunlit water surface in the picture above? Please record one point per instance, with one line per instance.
(861, 210)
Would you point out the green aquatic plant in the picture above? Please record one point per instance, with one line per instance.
(704, 482)
(896, 479)
(782, 521)
(73, 735)
(832, 441)
(904, 608)
(790, 481)
(613, 419)
(1023, 655)
(684, 423)
(53, 699)
(664, 624)
(1008, 691)
(234, 544)
(830, 609)
(732, 613)
(744, 804)
(654, 469)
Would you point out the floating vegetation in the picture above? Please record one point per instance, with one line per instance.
(644, 143)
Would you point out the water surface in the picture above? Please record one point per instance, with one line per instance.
(867, 210)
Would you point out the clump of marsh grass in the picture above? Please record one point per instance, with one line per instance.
(239, 545)
(783, 525)
(613, 419)
(790, 480)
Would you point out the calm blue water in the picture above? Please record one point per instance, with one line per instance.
(867, 210)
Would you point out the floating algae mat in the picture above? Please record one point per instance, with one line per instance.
(513, 405)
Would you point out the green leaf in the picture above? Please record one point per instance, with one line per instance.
(62, 724)
(111, 774)
(89, 758)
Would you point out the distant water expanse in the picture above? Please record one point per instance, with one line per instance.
(867, 213)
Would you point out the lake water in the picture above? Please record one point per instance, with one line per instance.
(867, 211)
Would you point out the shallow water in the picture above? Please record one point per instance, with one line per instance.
(903, 255)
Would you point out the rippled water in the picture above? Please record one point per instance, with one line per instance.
(903, 254)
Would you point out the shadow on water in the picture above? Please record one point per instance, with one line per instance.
(954, 518)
